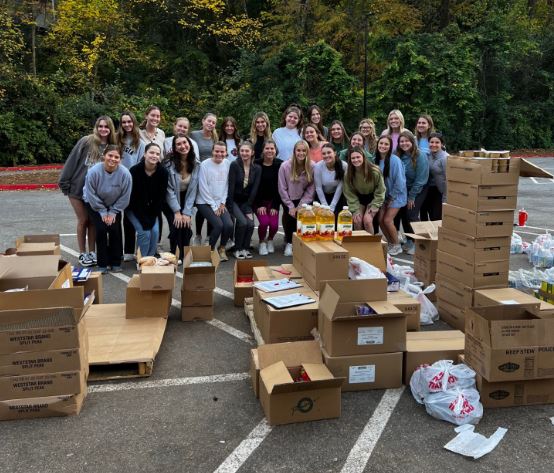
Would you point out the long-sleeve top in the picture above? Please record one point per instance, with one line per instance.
(129, 155)
(290, 190)
(213, 183)
(437, 171)
(205, 145)
(326, 183)
(148, 194)
(242, 195)
(168, 147)
(268, 190)
(343, 155)
(363, 187)
(416, 177)
(423, 145)
(186, 207)
(285, 139)
(159, 138)
(108, 193)
(395, 183)
(72, 177)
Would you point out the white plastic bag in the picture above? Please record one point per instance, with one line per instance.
(360, 269)
(457, 405)
(404, 274)
(516, 246)
(429, 313)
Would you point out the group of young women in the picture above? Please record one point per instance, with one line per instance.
(136, 174)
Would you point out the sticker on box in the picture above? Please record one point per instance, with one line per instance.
(370, 335)
(361, 374)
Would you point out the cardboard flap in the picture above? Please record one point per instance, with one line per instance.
(308, 386)
(367, 247)
(246, 267)
(317, 371)
(350, 290)
(346, 311)
(428, 229)
(39, 317)
(46, 298)
(528, 169)
(200, 253)
(275, 375)
(55, 238)
(477, 327)
(20, 267)
(290, 353)
(46, 248)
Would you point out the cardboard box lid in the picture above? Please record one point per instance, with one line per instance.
(291, 353)
(425, 230)
(318, 247)
(528, 169)
(278, 380)
(200, 253)
(40, 238)
(367, 247)
(45, 248)
(435, 340)
(349, 290)
(508, 296)
(21, 267)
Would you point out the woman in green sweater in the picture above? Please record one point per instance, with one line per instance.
(364, 189)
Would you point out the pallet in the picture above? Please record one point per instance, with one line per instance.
(139, 369)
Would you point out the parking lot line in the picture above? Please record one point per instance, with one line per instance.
(363, 448)
(243, 451)
(164, 383)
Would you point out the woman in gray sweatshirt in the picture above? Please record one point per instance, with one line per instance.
(431, 208)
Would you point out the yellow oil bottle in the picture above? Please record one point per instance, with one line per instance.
(309, 225)
(344, 223)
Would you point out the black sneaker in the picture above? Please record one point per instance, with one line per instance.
(85, 260)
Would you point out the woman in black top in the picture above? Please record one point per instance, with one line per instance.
(244, 180)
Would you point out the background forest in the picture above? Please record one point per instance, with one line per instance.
(484, 69)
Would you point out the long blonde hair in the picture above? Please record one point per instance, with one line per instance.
(297, 168)
(94, 141)
(253, 132)
(398, 113)
(215, 136)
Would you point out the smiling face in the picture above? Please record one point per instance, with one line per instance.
(152, 155)
(153, 118)
(208, 124)
(246, 153)
(394, 121)
(357, 159)
(219, 153)
(261, 126)
(435, 145)
(269, 152)
(103, 129)
(383, 146)
(229, 128)
(422, 126)
(181, 127)
(300, 152)
(291, 120)
(365, 128)
(315, 116)
(127, 123)
(356, 140)
(310, 134)
(336, 132)
(328, 155)
(405, 144)
(112, 159)
(182, 145)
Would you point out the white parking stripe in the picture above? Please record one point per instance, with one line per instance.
(243, 451)
(164, 383)
(363, 448)
(403, 260)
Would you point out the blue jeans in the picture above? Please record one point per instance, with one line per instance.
(147, 240)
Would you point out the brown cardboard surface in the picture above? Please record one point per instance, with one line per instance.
(245, 268)
(453, 292)
(425, 236)
(145, 303)
(505, 296)
(546, 310)
(188, 314)
(39, 407)
(489, 223)
(297, 252)
(451, 314)
(33, 272)
(199, 278)
(429, 347)
(481, 171)
(267, 273)
(489, 274)
(528, 169)
(409, 306)
(42, 385)
(323, 260)
(197, 298)
(40, 238)
(157, 278)
(515, 393)
(471, 249)
(93, 283)
(25, 363)
(37, 249)
(482, 197)
(365, 246)
(425, 269)
(113, 339)
(364, 372)
(255, 372)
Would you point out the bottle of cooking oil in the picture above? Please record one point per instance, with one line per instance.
(299, 219)
(344, 223)
(309, 228)
(326, 227)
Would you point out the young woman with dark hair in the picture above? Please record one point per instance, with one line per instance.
(315, 116)
(106, 194)
(85, 154)
(288, 134)
(363, 188)
(149, 131)
(431, 209)
(229, 133)
(396, 193)
(356, 140)
(310, 134)
(338, 136)
(367, 129)
(260, 132)
(328, 178)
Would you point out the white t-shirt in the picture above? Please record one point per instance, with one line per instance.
(285, 139)
(232, 151)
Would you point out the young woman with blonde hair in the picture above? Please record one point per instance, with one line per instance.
(395, 126)
(260, 132)
(180, 127)
(367, 129)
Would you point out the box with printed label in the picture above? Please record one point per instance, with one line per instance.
(515, 393)
(267, 273)
(490, 274)
(189, 314)
(364, 372)
(425, 348)
(506, 296)
(451, 314)
(344, 332)
(481, 170)
(482, 197)
(474, 250)
(365, 246)
(145, 303)
(95, 284)
(506, 342)
(409, 306)
(297, 387)
(199, 267)
(243, 279)
(157, 278)
(486, 223)
(42, 385)
(39, 407)
(321, 261)
(197, 298)
(24, 363)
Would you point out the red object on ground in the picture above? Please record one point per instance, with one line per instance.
(44, 167)
(522, 217)
(26, 187)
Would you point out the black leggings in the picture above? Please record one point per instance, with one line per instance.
(406, 216)
(244, 228)
(432, 205)
(109, 243)
(289, 223)
(221, 225)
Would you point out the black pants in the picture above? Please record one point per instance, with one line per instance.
(178, 237)
(222, 225)
(244, 228)
(340, 204)
(406, 216)
(432, 205)
(289, 223)
(109, 242)
(130, 236)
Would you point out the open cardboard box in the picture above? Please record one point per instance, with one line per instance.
(245, 269)
(36, 245)
(95, 284)
(285, 401)
(267, 273)
(34, 272)
(426, 236)
(365, 246)
(506, 296)
(199, 278)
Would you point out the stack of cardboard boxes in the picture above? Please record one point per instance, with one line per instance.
(474, 239)
(197, 293)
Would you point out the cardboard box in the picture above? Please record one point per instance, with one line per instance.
(453, 292)
(42, 385)
(145, 303)
(475, 250)
(345, 333)
(515, 393)
(509, 343)
(482, 171)
(285, 325)
(506, 296)
(24, 363)
(36, 245)
(197, 298)
(95, 284)
(245, 268)
(297, 247)
(428, 347)
(285, 401)
(546, 310)
(482, 197)
(425, 235)
(188, 314)
(490, 274)
(157, 278)
(322, 261)
(364, 372)
(267, 273)
(255, 371)
(490, 223)
(365, 246)
(39, 407)
(199, 278)
(451, 314)
(34, 272)
(409, 306)
(425, 270)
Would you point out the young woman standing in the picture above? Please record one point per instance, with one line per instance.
(431, 208)
(260, 132)
(416, 169)
(338, 136)
(424, 128)
(180, 127)
(314, 115)
(86, 153)
(106, 193)
(149, 131)
(367, 129)
(363, 188)
(311, 135)
(395, 126)
(267, 201)
(296, 187)
(356, 140)
(396, 195)
(183, 167)
(328, 178)
(148, 195)
(289, 134)
(244, 181)
(213, 186)
(230, 134)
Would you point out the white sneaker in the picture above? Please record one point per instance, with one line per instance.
(238, 254)
(395, 250)
(401, 238)
(206, 242)
(247, 254)
(270, 247)
(229, 244)
(288, 249)
(263, 249)
(127, 257)
(197, 240)
(409, 247)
